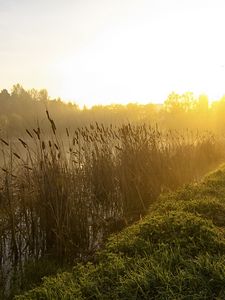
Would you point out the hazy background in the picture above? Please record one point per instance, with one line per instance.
(104, 51)
(75, 168)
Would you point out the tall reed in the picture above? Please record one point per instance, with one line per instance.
(60, 197)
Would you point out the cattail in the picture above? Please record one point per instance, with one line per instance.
(47, 113)
(14, 153)
(23, 143)
(37, 132)
(53, 126)
(7, 172)
(28, 132)
(43, 145)
(51, 121)
(4, 142)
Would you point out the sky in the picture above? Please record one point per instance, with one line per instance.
(113, 51)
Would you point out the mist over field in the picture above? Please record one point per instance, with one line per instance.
(70, 177)
(112, 149)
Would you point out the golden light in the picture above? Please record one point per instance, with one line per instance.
(101, 52)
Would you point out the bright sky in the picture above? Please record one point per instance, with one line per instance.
(113, 51)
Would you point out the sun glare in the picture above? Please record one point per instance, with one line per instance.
(146, 59)
(113, 52)
(108, 107)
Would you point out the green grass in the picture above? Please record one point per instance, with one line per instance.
(176, 252)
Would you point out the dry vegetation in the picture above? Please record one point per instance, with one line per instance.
(176, 252)
(68, 183)
(60, 198)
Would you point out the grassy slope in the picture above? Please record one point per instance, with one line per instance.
(176, 252)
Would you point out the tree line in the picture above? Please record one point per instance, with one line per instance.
(20, 109)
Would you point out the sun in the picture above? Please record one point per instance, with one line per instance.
(146, 59)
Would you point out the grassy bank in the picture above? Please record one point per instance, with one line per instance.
(176, 252)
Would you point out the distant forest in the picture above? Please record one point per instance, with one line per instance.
(70, 177)
(21, 109)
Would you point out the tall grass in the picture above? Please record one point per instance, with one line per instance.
(60, 197)
(176, 252)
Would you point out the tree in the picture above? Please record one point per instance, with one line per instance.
(4, 94)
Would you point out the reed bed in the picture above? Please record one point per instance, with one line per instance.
(61, 197)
